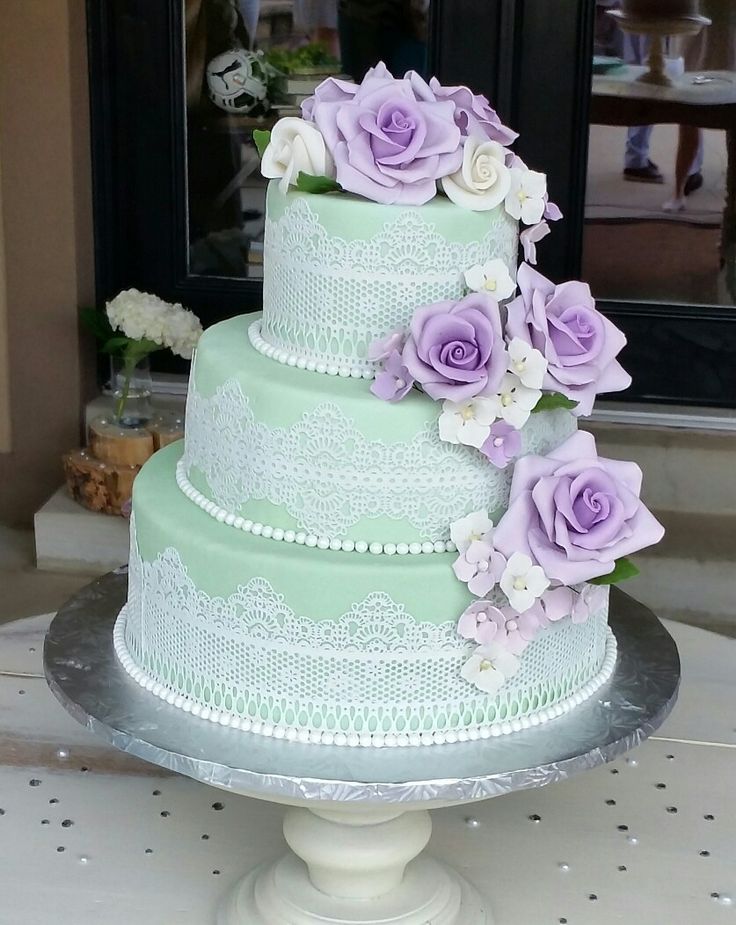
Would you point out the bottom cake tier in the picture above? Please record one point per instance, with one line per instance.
(270, 636)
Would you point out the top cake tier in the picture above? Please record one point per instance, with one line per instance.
(341, 272)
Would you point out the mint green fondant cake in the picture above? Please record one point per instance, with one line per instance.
(383, 526)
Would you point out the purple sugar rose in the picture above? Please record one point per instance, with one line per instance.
(575, 513)
(579, 343)
(394, 381)
(502, 444)
(389, 143)
(473, 113)
(456, 349)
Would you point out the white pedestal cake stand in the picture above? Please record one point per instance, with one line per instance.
(359, 817)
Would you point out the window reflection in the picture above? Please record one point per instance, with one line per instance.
(250, 62)
(661, 189)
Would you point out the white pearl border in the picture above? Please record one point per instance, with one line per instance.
(354, 739)
(289, 358)
(300, 537)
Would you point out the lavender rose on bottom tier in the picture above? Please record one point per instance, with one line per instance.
(578, 342)
(575, 513)
(456, 349)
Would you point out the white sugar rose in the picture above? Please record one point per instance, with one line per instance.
(295, 147)
(483, 181)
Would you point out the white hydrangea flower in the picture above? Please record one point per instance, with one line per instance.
(467, 422)
(475, 526)
(492, 277)
(522, 582)
(489, 666)
(141, 315)
(514, 401)
(525, 199)
(528, 364)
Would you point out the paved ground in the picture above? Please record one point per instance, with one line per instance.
(25, 591)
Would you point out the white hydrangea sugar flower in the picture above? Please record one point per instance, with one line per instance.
(492, 277)
(467, 422)
(295, 146)
(489, 666)
(143, 316)
(474, 526)
(483, 179)
(525, 199)
(528, 364)
(523, 582)
(514, 401)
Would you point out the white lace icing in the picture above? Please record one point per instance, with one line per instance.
(328, 476)
(327, 298)
(374, 671)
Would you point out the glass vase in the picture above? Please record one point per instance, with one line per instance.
(130, 385)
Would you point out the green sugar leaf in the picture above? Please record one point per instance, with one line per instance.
(261, 137)
(623, 569)
(551, 401)
(311, 184)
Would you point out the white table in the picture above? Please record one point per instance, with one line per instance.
(608, 846)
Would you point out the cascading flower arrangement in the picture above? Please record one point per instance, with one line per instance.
(403, 141)
(137, 324)
(492, 357)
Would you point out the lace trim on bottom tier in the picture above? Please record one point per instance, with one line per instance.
(506, 724)
(374, 676)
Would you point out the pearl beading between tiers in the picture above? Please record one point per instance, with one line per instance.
(354, 740)
(300, 537)
(287, 358)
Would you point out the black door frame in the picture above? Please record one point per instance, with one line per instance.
(532, 58)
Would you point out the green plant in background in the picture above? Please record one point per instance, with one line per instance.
(303, 59)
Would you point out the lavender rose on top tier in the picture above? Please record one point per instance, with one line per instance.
(456, 349)
(579, 343)
(575, 513)
(391, 139)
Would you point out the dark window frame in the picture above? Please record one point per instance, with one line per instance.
(531, 57)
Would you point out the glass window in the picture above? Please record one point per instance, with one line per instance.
(660, 211)
(250, 62)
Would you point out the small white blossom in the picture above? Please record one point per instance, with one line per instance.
(492, 277)
(467, 422)
(475, 526)
(525, 199)
(514, 401)
(140, 315)
(527, 363)
(489, 666)
(522, 582)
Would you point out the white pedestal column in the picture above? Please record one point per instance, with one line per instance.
(354, 866)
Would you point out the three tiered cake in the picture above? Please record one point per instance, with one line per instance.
(384, 526)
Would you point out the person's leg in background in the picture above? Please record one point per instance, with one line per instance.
(637, 164)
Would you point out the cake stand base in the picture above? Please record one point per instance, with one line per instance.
(356, 867)
(357, 820)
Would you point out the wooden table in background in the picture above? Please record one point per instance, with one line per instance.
(706, 99)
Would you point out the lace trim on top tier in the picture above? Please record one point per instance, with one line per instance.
(327, 299)
(328, 476)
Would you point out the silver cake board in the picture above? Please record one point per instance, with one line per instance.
(359, 819)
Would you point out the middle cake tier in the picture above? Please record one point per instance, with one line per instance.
(270, 447)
